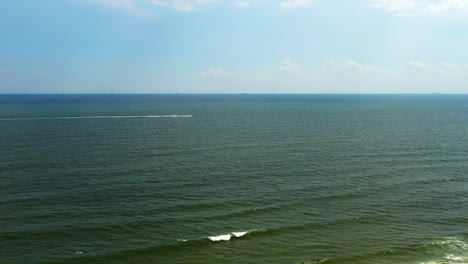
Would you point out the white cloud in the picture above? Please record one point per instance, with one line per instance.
(417, 65)
(190, 5)
(181, 5)
(413, 76)
(443, 8)
(451, 66)
(126, 4)
(396, 6)
(444, 66)
(219, 73)
(131, 5)
(409, 8)
(296, 3)
(449, 8)
(348, 65)
(290, 68)
(340, 76)
(351, 66)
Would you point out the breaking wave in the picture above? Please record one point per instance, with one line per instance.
(225, 237)
(449, 250)
(455, 251)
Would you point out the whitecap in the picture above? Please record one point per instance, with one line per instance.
(452, 257)
(452, 260)
(228, 237)
(239, 234)
(453, 243)
(454, 249)
(220, 237)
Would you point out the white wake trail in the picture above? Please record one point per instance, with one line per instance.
(94, 117)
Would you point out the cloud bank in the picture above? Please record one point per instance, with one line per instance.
(296, 3)
(343, 76)
(411, 8)
(190, 5)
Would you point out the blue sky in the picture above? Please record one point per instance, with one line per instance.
(230, 46)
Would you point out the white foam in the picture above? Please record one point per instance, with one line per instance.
(220, 237)
(457, 248)
(95, 117)
(452, 257)
(453, 243)
(239, 234)
(455, 260)
(227, 237)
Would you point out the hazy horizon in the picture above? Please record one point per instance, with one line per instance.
(220, 46)
(428, 93)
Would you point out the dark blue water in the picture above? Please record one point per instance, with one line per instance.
(233, 179)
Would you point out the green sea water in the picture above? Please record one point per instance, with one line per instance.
(174, 179)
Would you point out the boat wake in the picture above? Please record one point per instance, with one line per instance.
(94, 117)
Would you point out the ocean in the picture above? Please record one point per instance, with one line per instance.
(294, 179)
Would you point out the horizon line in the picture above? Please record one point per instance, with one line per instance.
(246, 93)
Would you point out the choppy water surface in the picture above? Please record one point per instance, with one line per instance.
(237, 179)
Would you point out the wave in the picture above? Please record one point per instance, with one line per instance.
(228, 236)
(449, 250)
(314, 261)
(452, 243)
(224, 237)
(163, 250)
(95, 117)
(449, 259)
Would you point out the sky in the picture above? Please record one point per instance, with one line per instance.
(233, 46)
